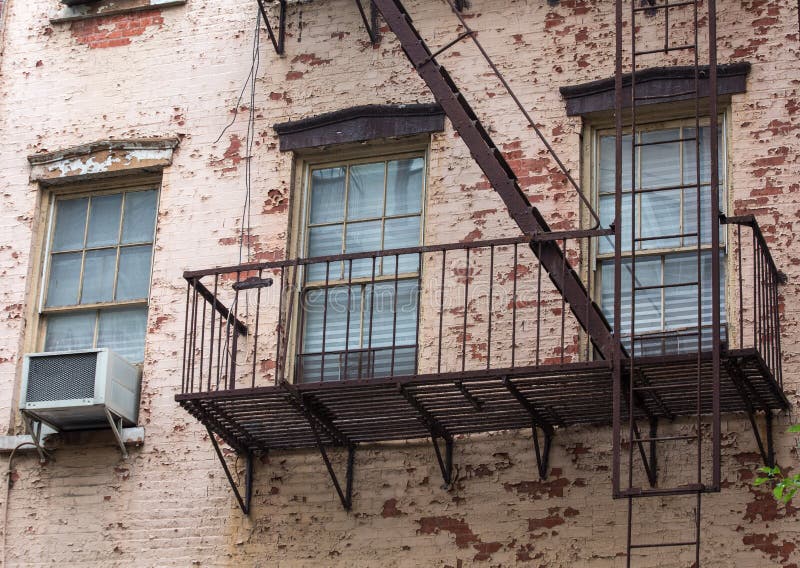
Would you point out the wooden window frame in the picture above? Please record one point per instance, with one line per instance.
(52, 198)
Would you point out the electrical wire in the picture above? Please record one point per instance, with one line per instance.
(8, 496)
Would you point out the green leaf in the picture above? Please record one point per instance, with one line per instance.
(760, 481)
(778, 491)
(794, 429)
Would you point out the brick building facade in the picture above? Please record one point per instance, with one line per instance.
(130, 96)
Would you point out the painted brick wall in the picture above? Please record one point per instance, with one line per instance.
(178, 72)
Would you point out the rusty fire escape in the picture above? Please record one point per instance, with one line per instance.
(615, 383)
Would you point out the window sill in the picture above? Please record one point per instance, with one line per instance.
(107, 8)
(130, 437)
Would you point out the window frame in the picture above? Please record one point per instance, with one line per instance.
(298, 236)
(661, 117)
(53, 197)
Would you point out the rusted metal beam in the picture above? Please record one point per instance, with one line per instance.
(278, 40)
(500, 175)
(244, 501)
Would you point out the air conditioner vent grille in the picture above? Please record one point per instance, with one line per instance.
(61, 377)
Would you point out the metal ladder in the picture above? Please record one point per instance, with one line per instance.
(497, 170)
(651, 19)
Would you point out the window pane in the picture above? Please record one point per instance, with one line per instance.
(65, 274)
(104, 221)
(98, 276)
(661, 216)
(365, 198)
(607, 167)
(690, 214)
(363, 237)
(133, 280)
(339, 299)
(404, 186)
(123, 331)
(327, 195)
(140, 217)
(324, 241)
(388, 329)
(607, 217)
(648, 302)
(680, 303)
(70, 224)
(70, 331)
(690, 156)
(660, 163)
(401, 233)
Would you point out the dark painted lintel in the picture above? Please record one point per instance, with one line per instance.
(657, 85)
(360, 124)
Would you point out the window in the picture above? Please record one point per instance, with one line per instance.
(666, 236)
(97, 272)
(359, 316)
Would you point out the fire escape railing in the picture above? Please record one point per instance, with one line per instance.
(468, 308)
(456, 309)
(754, 288)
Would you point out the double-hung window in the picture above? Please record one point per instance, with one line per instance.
(360, 315)
(97, 272)
(665, 240)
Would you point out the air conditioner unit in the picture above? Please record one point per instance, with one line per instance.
(80, 390)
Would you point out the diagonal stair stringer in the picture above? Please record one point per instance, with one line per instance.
(500, 176)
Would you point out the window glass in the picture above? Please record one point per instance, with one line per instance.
(110, 242)
(404, 181)
(133, 280)
(98, 276)
(104, 221)
(365, 198)
(362, 207)
(664, 280)
(70, 224)
(140, 217)
(65, 279)
(66, 332)
(123, 331)
(327, 195)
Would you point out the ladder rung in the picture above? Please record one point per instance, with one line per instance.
(665, 438)
(671, 141)
(666, 49)
(664, 237)
(665, 544)
(690, 489)
(665, 6)
(660, 286)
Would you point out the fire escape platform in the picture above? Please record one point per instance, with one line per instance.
(402, 408)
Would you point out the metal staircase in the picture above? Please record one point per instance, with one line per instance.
(499, 173)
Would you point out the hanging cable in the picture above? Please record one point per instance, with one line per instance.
(471, 33)
(9, 482)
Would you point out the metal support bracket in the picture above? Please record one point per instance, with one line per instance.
(346, 496)
(437, 432)
(542, 454)
(116, 428)
(446, 462)
(537, 422)
(244, 501)
(279, 40)
(36, 435)
(767, 451)
(370, 21)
